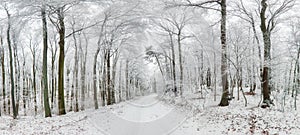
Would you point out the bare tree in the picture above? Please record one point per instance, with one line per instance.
(209, 4)
(60, 26)
(34, 48)
(2, 52)
(24, 80)
(171, 32)
(44, 68)
(247, 15)
(83, 69)
(95, 60)
(53, 49)
(11, 63)
(267, 26)
(177, 22)
(75, 69)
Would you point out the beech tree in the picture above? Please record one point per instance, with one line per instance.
(45, 52)
(60, 27)
(95, 60)
(268, 24)
(248, 16)
(224, 71)
(173, 24)
(2, 52)
(33, 46)
(8, 34)
(84, 52)
(178, 23)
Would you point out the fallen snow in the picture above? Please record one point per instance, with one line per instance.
(236, 119)
(143, 116)
(154, 115)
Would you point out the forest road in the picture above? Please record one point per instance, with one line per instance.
(142, 116)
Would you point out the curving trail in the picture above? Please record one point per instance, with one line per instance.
(143, 116)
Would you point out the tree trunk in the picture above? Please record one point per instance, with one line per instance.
(224, 72)
(61, 61)
(259, 52)
(95, 65)
(120, 82)
(34, 82)
(180, 62)
(53, 87)
(296, 80)
(76, 109)
(24, 82)
(267, 59)
(70, 89)
(102, 82)
(17, 73)
(108, 78)
(114, 70)
(25, 89)
(3, 73)
(208, 78)
(127, 79)
(68, 94)
(83, 74)
(252, 90)
(95, 78)
(201, 69)
(45, 74)
(11, 66)
(173, 64)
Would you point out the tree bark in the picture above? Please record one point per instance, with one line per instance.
(224, 72)
(95, 64)
(95, 78)
(45, 74)
(34, 80)
(83, 74)
(76, 109)
(53, 80)
(114, 70)
(17, 73)
(3, 73)
(127, 79)
(108, 78)
(180, 62)
(61, 61)
(25, 88)
(120, 82)
(173, 64)
(102, 82)
(267, 59)
(11, 65)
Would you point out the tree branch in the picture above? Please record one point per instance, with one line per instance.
(200, 5)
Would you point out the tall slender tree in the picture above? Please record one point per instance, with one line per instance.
(267, 25)
(45, 75)
(15, 113)
(208, 4)
(61, 61)
(2, 52)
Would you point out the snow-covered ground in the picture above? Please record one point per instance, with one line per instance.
(154, 115)
(236, 119)
(145, 115)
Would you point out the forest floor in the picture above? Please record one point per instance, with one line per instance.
(237, 119)
(149, 115)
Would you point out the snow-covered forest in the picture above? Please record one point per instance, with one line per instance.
(149, 67)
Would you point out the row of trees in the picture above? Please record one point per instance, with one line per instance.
(112, 30)
(236, 49)
(91, 51)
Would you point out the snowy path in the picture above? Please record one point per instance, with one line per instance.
(148, 116)
(143, 116)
